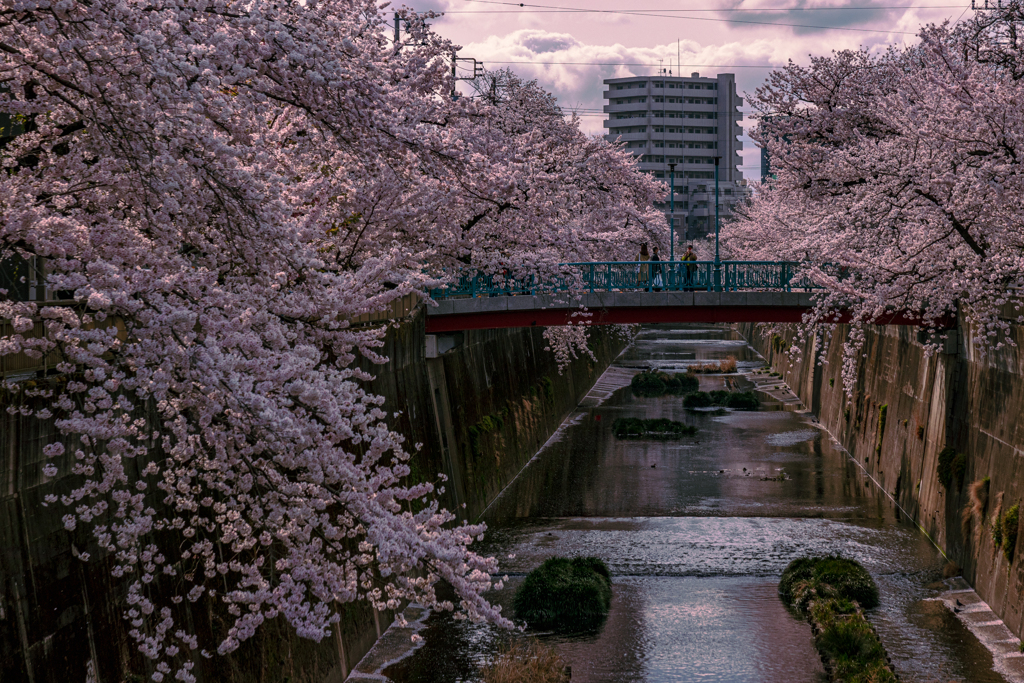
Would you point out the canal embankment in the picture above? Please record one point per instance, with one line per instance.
(929, 428)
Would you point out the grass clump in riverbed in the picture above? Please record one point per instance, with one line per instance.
(526, 661)
(565, 594)
(832, 592)
(737, 400)
(656, 383)
(660, 428)
(830, 576)
(724, 366)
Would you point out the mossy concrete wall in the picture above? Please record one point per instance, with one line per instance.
(905, 407)
(478, 414)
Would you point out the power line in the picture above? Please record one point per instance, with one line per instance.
(630, 13)
(732, 9)
(710, 66)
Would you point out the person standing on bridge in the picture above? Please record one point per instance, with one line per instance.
(657, 274)
(642, 268)
(691, 268)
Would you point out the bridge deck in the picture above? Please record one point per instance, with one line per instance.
(452, 315)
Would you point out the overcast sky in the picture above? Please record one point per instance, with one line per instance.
(561, 49)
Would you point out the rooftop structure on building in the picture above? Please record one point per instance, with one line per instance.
(686, 121)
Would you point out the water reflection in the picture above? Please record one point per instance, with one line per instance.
(696, 540)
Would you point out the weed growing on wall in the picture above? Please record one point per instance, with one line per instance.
(975, 509)
(882, 410)
(1010, 523)
(952, 468)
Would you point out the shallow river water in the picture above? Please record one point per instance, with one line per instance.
(696, 541)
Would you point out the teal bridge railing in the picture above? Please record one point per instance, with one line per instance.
(650, 276)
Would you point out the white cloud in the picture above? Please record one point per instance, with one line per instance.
(570, 54)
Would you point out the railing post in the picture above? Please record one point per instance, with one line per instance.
(591, 278)
(785, 276)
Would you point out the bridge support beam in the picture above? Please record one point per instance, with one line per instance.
(553, 317)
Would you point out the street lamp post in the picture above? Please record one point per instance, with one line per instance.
(672, 213)
(718, 261)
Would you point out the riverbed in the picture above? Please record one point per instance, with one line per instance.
(696, 533)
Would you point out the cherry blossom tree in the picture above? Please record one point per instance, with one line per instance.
(218, 187)
(899, 176)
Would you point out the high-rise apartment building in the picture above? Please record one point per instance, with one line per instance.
(688, 122)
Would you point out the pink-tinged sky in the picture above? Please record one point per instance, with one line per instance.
(502, 34)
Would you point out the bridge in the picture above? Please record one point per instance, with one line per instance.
(629, 292)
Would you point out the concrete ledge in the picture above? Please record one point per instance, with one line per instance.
(733, 299)
(764, 298)
(547, 310)
(600, 299)
(523, 303)
(656, 299)
(629, 298)
(444, 307)
(707, 298)
(482, 304)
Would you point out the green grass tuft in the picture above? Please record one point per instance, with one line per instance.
(659, 428)
(831, 591)
(738, 400)
(698, 399)
(835, 576)
(656, 383)
(565, 594)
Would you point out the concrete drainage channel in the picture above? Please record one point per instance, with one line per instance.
(972, 613)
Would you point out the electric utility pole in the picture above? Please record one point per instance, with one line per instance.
(718, 261)
(672, 212)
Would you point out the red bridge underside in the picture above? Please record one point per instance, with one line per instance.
(554, 317)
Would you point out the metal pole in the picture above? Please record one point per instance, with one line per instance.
(672, 213)
(718, 261)
(396, 30)
(455, 80)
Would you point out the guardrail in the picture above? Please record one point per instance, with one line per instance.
(663, 276)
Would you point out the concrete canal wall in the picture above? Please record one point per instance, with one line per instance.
(906, 408)
(479, 406)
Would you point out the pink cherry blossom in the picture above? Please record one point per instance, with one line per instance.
(899, 178)
(216, 188)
